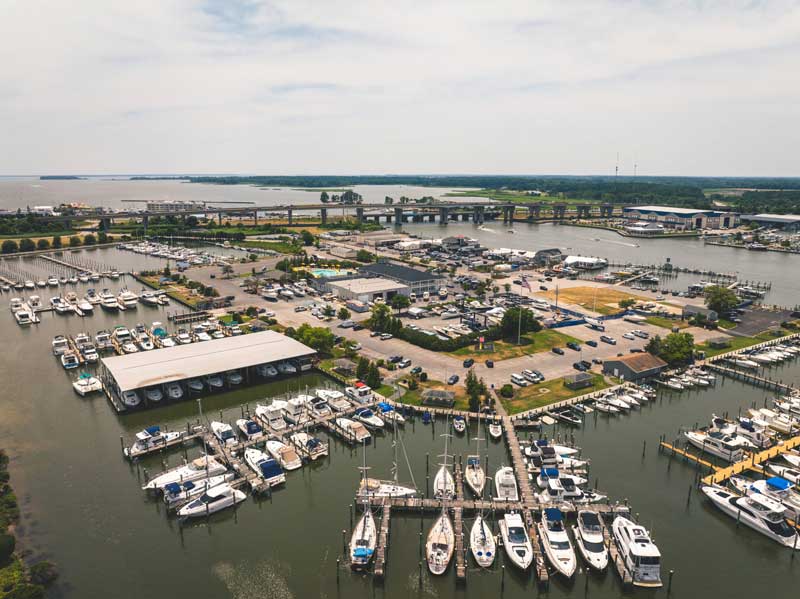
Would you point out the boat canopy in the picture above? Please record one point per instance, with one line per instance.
(252, 428)
(362, 552)
(541, 442)
(385, 407)
(553, 514)
(176, 489)
(781, 484)
(152, 430)
(473, 461)
(270, 469)
(549, 472)
(313, 443)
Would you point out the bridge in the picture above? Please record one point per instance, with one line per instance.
(442, 212)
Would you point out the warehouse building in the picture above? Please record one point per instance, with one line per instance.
(634, 367)
(367, 289)
(787, 222)
(683, 219)
(417, 281)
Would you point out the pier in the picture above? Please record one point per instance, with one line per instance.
(382, 545)
(751, 379)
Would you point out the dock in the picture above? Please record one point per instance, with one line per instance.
(60, 262)
(750, 378)
(539, 564)
(382, 546)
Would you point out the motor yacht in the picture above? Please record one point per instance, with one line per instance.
(309, 446)
(202, 467)
(224, 432)
(640, 555)
(130, 398)
(151, 438)
(787, 472)
(357, 430)
(128, 298)
(516, 541)
(505, 484)
(723, 446)
(319, 408)
(295, 411)
(176, 494)
(588, 535)
(286, 455)
(556, 542)
(272, 415)
(212, 501)
(60, 345)
(174, 390)
(336, 399)
(264, 466)
(776, 487)
(369, 418)
(250, 429)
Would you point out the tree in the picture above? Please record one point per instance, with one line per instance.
(324, 197)
(319, 338)
(507, 287)
(507, 391)
(400, 302)
(343, 314)
(74, 241)
(362, 368)
(328, 310)
(307, 237)
(56, 243)
(26, 245)
(518, 320)
(720, 299)
(373, 378)
(102, 237)
(388, 200)
(675, 349)
(381, 317)
(89, 239)
(43, 244)
(365, 256)
(627, 303)
(474, 388)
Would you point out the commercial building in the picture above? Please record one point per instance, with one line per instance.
(168, 206)
(243, 353)
(634, 367)
(418, 281)
(367, 289)
(548, 257)
(787, 222)
(341, 251)
(645, 229)
(682, 218)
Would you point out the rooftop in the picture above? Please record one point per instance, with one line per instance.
(142, 369)
(640, 362)
(668, 210)
(773, 218)
(365, 285)
(399, 272)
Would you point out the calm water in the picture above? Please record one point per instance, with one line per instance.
(83, 507)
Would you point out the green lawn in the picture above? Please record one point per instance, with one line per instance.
(546, 393)
(414, 398)
(666, 323)
(544, 340)
(725, 324)
(735, 343)
(284, 247)
(518, 197)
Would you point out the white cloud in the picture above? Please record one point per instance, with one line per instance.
(352, 87)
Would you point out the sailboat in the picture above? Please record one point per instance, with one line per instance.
(474, 475)
(444, 487)
(440, 544)
(365, 534)
(373, 487)
(481, 542)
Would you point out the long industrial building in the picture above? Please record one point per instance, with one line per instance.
(199, 361)
(682, 218)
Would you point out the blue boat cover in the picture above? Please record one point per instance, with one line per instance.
(313, 442)
(747, 425)
(473, 461)
(541, 442)
(385, 407)
(188, 485)
(549, 472)
(776, 482)
(172, 488)
(270, 468)
(553, 514)
(152, 429)
(459, 418)
(252, 428)
(362, 552)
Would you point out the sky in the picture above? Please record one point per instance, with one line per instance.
(336, 87)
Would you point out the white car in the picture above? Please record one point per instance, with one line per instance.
(269, 314)
(356, 346)
(629, 336)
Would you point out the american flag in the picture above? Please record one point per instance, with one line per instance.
(525, 284)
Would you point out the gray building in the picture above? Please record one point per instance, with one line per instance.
(787, 222)
(417, 281)
(367, 289)
(548, 257)
(689, 311)
(634, 367)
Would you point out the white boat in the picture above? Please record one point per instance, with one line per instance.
(336, 399)
(86, 383)
(202, 467)
(459, 424)
(589, 539)
(782, 423)
(359, 392)
(151, 438)
(250, 429)
(319, 408)
(295, 410)
(495, 429)
(195, 385)
(176, 494)
(309, 446)
(286, 455)
(369, 418)
(174, 390)
(183, 337)
(776, 487)
(720, 445)
(272, 415)
(234, 377)
(224, 432)
(286, 368)
(547, 474)
(363, 540)
(148, 298)
(389, 414)
(373, 487)
(505, 485)
(60, 345)
(69, 360)
(556, 542)
(266, 371)
(85, 307)
(153, 394)
(130, 398)
(24, 317)
(481, 542)
(212, 501)
(355, 429)
(167, 341)
(440, 544)
(128, 298)
(790, 474)
(516, 541)
(639, 554)
(214, 381)
(756, 511)
(264, 466)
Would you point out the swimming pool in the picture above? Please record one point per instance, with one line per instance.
(324, 273)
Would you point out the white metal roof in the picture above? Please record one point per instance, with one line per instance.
(169, 364)
(365, 285)
(667, 210)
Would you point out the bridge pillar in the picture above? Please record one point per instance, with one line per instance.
(444, 215)
(607, 210)
(477, 215)
(219, 218)
(255, 217)
(360, 215)
(105, 224)
(559, 210)
(323, 215)
(289, 215)
(398, 216)
(145, 222)
(534, 210)
(432, 217)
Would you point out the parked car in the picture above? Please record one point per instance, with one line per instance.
(358, 327)
(573, 346)
(558, 350)
(416, 370)
(489, 363)
(586, 363)
(404, 363)
(300, 308)
(374, 333)
(347, 324)
(579, 366)
(591, 343)
(607, 339)
(395, 359)
(386, 336)
(629, 336)
(452, 380)
(468, 362)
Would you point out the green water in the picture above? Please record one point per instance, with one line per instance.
(83, 509)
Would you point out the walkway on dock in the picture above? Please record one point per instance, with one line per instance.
(752, 379)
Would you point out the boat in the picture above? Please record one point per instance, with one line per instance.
(52, 281)
(588, 535)
(295, 410)
(474, 475)
(266, 371)
(92, 297)
(556, 542)
(459, 424)
(212, 501)
(130, 398)
(202, 467)
(214, 381)
(250, 429)
(59, 345)
(151, 438)
(153, 394)
(776, 487)
(790, 474)
(183, 337)
(234, 377)
(69, 360)
(24, 317)
(440, 544)
(195, 385)
(86, 383)
(176, 494)
(547, 474)
(336, 399)
(167, 341)
(389, 414)
(272, 415)
(516, 541)
(309, 446)
(85, 307)
(639, 554)
(505, 485)
(149, 298)
(481, 542)
(444, 486)
(757, 511)
(495, 429)
(756, 433)
(174, 390)
(369, 418)
(286, 368)
(359, 392)
(224, 432)
(109, 302)
(285, 454)
(356, 430)
(127, 298)
(264, 466)
(319, 408)
(723, 446)
(363, 540)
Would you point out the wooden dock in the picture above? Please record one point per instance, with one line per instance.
(461, 549)
(60, 262)
(752, 462)
(750, 378)
(518, 462)
(539, 564)
(382, 546)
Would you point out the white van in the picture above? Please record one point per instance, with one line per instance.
(519, 380)
(412, 296)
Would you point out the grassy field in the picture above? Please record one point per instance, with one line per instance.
(735, 343)
(603, 300)
(414, 398)
(666, 323)
(517, 197)
(546, 393)
(283, 247)
(533, 343)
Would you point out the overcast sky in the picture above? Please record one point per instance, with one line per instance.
(294, 87)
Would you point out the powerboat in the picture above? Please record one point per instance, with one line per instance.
(266, 370)
(234, 377)
(176, 494)
(149, 298)
(459, 424)
(264, 466)
(131, 399)
(128, 298)
(272, 415)
(505, 485)
(389, 414)
(556, 543)
(202, 467)
(495, 429)
(547, 474)
(130, 347)
(790, 474)
(363, 540)
(195, 385)
(639, 554)
(92, 297)
(166, 341)
(250, 429)
(295, 411)
(589, 539)
(355, 429)
(482, 543)
(150, 438)
(336, 399)
(286, 368)
(319, 408)
(212, 501)
(224, 432)
(60, 345)
(86, 383)
(109, 302)
(214, 381)
(309, 446)
(720, 445)
(286, 455)
(183, 337)
(369, 418)
(757, 511)
(516, 541)
(69, 360)
(153, 394)
(755, 433)
(777, 488)
(440, 544)
(174, 390)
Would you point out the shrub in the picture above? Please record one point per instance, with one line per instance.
(26, 245)
(507, 391)
(43, 244)
(9, 246)
(7, 545)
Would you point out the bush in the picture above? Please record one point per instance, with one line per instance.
(507, 391)
(74, 241)
(43, 244)
(423, 376)
(10, 246)
(7, 545)
(89, 239)
(26, 591)
(43, 573)
(26, 245)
